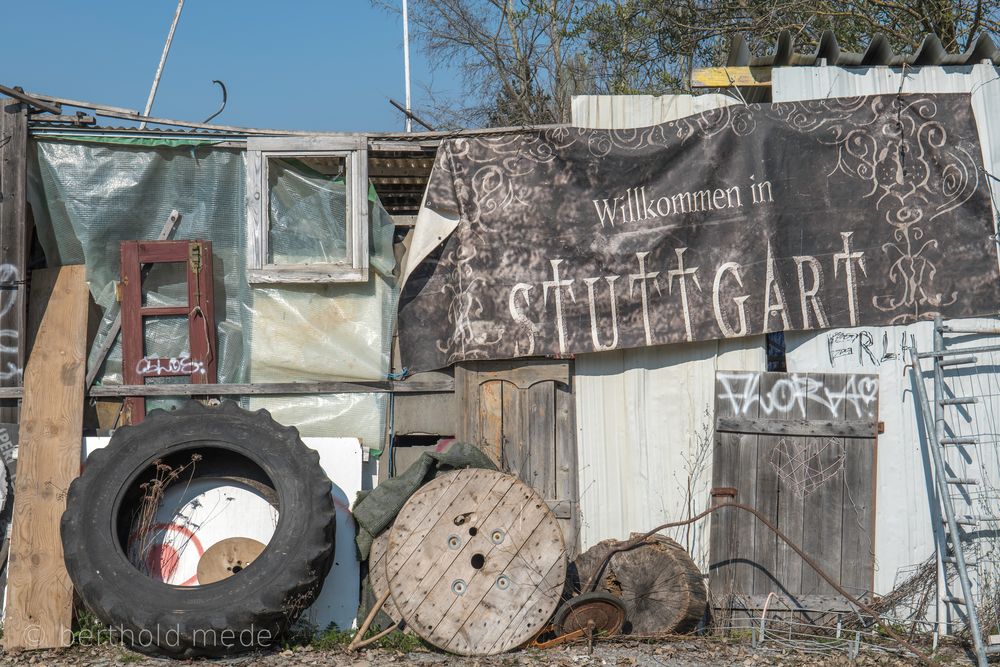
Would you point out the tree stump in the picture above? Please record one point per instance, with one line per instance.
(476, 562)
(660, 585)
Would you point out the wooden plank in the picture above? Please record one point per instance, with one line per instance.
(729, 77)
(746, 531)
(787, 564)
(467, 398)
(256, 215)
(357, 226)
(823, 508)
(857, 560)
(441, 385)
(726, 576)
(491, 416)
(765, 544)
(856, 428)
(13, 247)
(566, 465)
(525, 374)
(515, 456)
(39, 593)
(542, 438)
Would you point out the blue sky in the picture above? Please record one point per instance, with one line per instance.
(306, 64)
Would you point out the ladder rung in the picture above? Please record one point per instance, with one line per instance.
(959, 401)
(950, 560)
(972, 519)
(961, 440)
(955, 361)
(161, 311)
(961, 480)
(952, 599)
(993, 650)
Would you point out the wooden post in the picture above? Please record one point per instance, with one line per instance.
(13, 247)
(39, 593)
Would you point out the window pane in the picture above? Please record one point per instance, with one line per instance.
(307, 216)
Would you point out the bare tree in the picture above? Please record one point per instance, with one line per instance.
(521, 60)
(650, 45)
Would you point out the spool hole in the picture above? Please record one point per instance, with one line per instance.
(473, 531)
(478, 560)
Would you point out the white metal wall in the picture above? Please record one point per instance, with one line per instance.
(644, 416)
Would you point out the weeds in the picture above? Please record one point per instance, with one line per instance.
(89, 630)
(334, 638)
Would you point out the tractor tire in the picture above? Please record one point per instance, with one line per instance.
(246, 611)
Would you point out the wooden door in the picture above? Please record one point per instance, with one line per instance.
(522, 414)
(801, 449)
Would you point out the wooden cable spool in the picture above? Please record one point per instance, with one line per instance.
(377, 575)
(476, 562)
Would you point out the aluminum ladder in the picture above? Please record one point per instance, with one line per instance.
(936, 440)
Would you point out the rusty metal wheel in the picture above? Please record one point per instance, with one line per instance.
(597, 612)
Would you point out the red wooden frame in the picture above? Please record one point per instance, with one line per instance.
(200, 364)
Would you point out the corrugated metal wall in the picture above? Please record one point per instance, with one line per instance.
(642, 414)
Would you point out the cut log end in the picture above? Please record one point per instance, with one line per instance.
(661, 587)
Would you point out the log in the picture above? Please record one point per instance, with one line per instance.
(662, 588)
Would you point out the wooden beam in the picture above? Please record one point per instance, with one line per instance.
(730, 77)
(860, 428)
(13, 246)
(33, 101)
(259, 389)
(39, 608)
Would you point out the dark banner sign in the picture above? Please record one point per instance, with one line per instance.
(733, 222)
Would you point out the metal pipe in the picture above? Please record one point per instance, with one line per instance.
(406, 64)
(955, 352)
(410, 114)
(163, 61)
(941, 611)
(991, 331)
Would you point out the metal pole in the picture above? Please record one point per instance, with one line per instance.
(163, 61)
(932, 431)
(406, 64)
(944, 609)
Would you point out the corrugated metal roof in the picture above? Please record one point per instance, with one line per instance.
(930, 52)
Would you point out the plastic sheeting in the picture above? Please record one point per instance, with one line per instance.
(89, 196)
(86, 198)
(340, 331)
(307, 213)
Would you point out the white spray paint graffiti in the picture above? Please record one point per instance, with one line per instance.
(9, 339)
(182, 365)
(741, 392)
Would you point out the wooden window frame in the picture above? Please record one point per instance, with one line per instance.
(354, 150)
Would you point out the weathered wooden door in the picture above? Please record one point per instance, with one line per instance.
(801, 449)
(522, 414)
